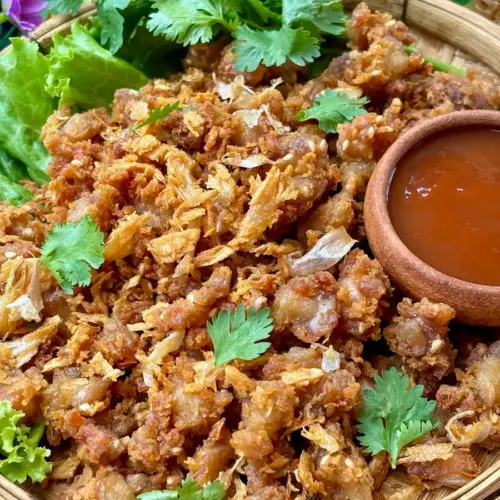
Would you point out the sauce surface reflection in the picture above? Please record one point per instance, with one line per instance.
(444, 203)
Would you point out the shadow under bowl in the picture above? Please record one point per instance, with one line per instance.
(474, 304)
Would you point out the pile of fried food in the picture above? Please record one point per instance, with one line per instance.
(230, 202)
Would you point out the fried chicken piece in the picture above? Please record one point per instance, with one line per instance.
(362, 284)
(204, 56)
(419, 334)
(195, 308)
(336, 211)
(23, 390)
(295, 358)
(267, 408)
(313, 172)
(334, 394)
(479, 388)
(97, 444)
(366, 26)
(227, 73)
(335, 475)
(270, 493)
(307, 306)
(192, 129)
(384, 61)
(212, 457)
(195, 408)
(440, 93)
(117, 343)
(368, 136)
(355, 176)
(454, 472)
(67, 392)
(106, 484)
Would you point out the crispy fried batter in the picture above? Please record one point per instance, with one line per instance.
(203, 211)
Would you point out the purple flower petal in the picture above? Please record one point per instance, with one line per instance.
(26, 14)
(32, 6)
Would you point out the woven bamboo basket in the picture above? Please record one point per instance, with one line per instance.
(454, 35)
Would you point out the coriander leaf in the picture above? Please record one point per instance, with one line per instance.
(189, 490)
(326, 15)
(112, 23)
(333, 107)
(214, 491)
(159, 495)
(11, 167)
(274, 47)
(84, 73)
(158, 114)
(191, 21)
(70, 250)
(64, 6)
(24, 106)
(258, 11)
(406, 434)
(12, 192)
(20, 456)
(394, 415)
(236, 337)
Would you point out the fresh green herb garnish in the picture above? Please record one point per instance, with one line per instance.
(394, 415)
(188, 491)
(20, 456)
(71, 249)
(237, 337)
(83, 73)
(12, 192)
(274, 47)
(333, 107)
(192, 21)
(268, 34)
(316, 15)
(159, 114)
(108, 14)
(436, 64)
(24, 106)
(11, 167)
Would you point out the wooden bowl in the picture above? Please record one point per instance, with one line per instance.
(475, 304)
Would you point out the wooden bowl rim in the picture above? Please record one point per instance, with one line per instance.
(382, 236)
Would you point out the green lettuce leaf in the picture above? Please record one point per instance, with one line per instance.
(24, 106)
(83, 73)
(12, 192)
(20, 456)
(11, 167)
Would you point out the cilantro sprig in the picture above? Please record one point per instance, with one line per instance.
(333, 107)
(71, 249)
(109, 16)
(158, 114)
(289, 29)
(189, 490)
(237, 337)
(192, 21)
(394, 415)
(20, 456)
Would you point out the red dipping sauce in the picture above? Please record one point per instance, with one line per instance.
(444, 203)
